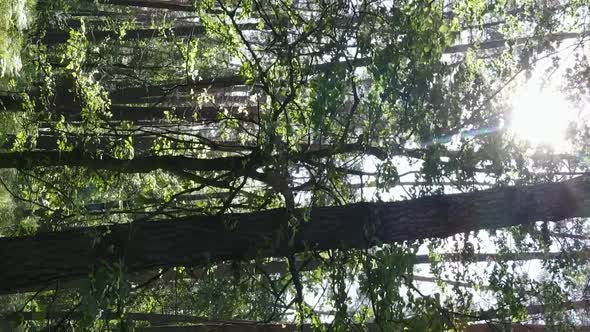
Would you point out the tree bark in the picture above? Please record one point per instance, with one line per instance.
(150, 93)
(50, 141)
(145, 164)
(236, 325)
(78, 158)
(226, 270)
(153, 318)
(500, 43)
(10, 103)
(57, 37)
(194, 240)
(516, 327)
(184, 6)
(205, 324)
(147, 113)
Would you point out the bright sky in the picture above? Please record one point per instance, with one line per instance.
(541, 116)
(541, 111)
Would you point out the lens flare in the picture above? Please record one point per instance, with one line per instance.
(541, 117)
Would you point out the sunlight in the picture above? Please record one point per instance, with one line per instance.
(540, 116)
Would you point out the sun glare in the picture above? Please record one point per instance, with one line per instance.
(541, 116)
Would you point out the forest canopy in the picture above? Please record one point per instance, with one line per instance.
(302, 165)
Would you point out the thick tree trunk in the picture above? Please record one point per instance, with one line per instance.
(226, 270)
(190, 241)
(516, 327)
(205, 324)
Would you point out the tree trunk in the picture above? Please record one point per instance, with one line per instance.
(149, 114)
(78, 158)
(516, 327)
(226, 270)
(500, 43)
(11, 103)
(150, 93)
(145, 164)
(153, 318)
(184, 6)
(50, 141)
(194, 240)
(57, 37)
(209, 325)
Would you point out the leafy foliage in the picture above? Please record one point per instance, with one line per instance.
(291, 105)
